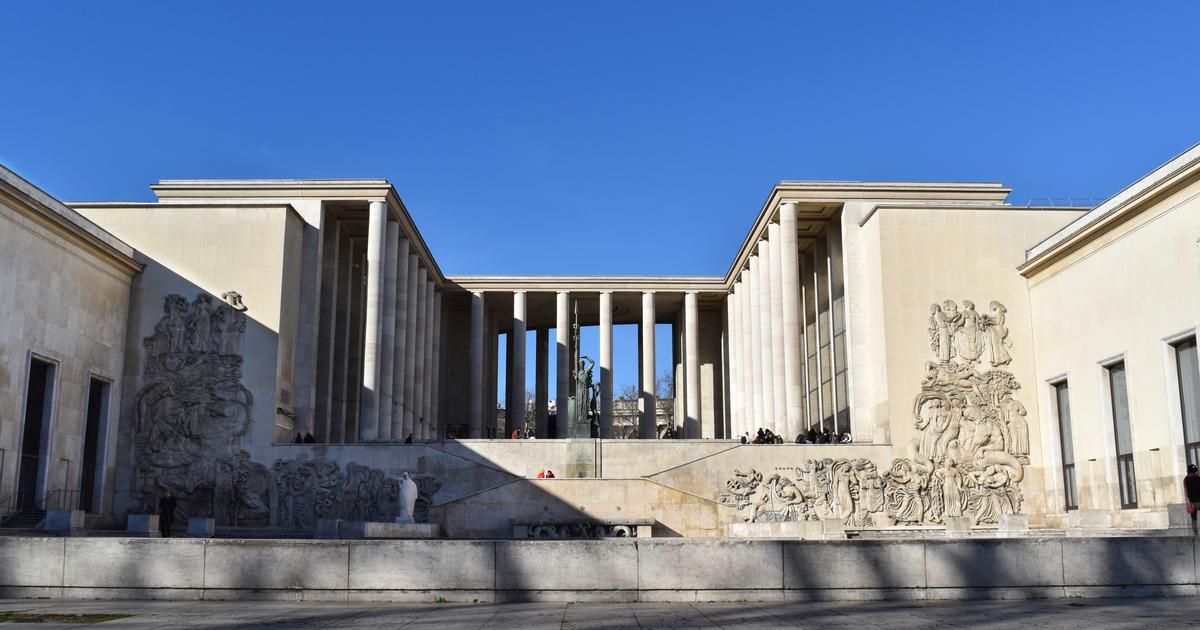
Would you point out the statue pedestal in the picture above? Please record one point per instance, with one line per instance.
(143, 526)
(338, 529)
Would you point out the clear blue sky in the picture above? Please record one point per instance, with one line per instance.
(650, 131)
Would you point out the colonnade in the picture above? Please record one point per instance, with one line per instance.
(380, 301)
(480, 378)
(786, 337)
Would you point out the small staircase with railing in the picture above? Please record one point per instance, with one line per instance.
(23, 519)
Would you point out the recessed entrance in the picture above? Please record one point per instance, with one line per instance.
(95, 427)
(39, 403)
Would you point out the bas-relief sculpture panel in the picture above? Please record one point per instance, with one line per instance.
(967, 460)
(191, 414)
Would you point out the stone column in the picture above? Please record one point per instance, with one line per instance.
(779, 395)
(541, 394)
(421, 366)
(410, 347)
(475, 392)
(399, 350)
(691, 371)
(430, 327)
(763, 286)
(562, 335)
(518, 361)
(388, 340)
(648, 425)
(790, 287)
(368, 428)
(732, 375)
(758, 419)
(606, 371)
(435, 411)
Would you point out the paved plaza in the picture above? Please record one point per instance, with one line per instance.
(1026, 614)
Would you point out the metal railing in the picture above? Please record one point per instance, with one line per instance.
(61, 499)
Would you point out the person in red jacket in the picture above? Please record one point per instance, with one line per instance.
(1191, 491)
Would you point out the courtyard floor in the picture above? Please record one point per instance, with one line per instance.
(1025, 614)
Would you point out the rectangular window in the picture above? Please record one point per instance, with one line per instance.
(1119, 395)
(1062, 400)
(1188, 370)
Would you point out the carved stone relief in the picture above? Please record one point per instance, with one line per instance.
(581, 530)
(967, 460)
(191, 414)
(193, 410)
(310, 490)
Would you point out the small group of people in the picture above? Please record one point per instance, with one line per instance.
(307, 438)
(825, 436)
(545, 473)
(523, 434)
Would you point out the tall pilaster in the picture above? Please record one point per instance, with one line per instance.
(691, 371)
(562, 334)
(475, 391)
(388, 340)
(606, 366)
(518, 361)
(648, 425)
(410, 347)
(430, 328)
(758, 419)
(373, 332)
(764, 299)
(779, 395)
(733, 361)
(400, 363)
(421, 366)
(435, 399)
(541, 387)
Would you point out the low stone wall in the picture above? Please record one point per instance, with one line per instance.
(601, 570)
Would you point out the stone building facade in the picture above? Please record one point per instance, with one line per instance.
(990, 361)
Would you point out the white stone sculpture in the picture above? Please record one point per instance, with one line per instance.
(408, 500)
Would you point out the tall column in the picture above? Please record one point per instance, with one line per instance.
(562, 334)
(648, 426)
(410, 346)
(509, 392)
(430, 327)
(691, 371)
(757, 397)
(790, 286)
(807, 367)
(422, 368)
(373, 333)
(606, 371)
(388, 340)
(518, 361)
(475, 392)
(779, 396)
(435, 399)
(541, 387)
(743, 354)
(732, 373)
(398, 351)
(764, 298)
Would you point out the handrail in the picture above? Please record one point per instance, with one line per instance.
(8, 503)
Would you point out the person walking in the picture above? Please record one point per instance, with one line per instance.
(166, 514)
(1191, 491)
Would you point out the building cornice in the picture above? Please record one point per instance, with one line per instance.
(55, 216)
(590, 284)
(1180, 171)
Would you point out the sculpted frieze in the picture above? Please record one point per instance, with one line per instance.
(967, 459)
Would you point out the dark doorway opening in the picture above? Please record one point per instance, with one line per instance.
(94, 429)
(39, 398)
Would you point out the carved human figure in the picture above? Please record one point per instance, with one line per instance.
(968, 341)
(929, 426)
(408, 499)
(952, 419)
(1016, 427)
(843, 475)
(952, 489)
(997, 335)
(200, 324)
(941, 331)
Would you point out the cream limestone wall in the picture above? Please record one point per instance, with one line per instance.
(65, 303)
(931, 254)
(193, 249)
(1127, 295)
